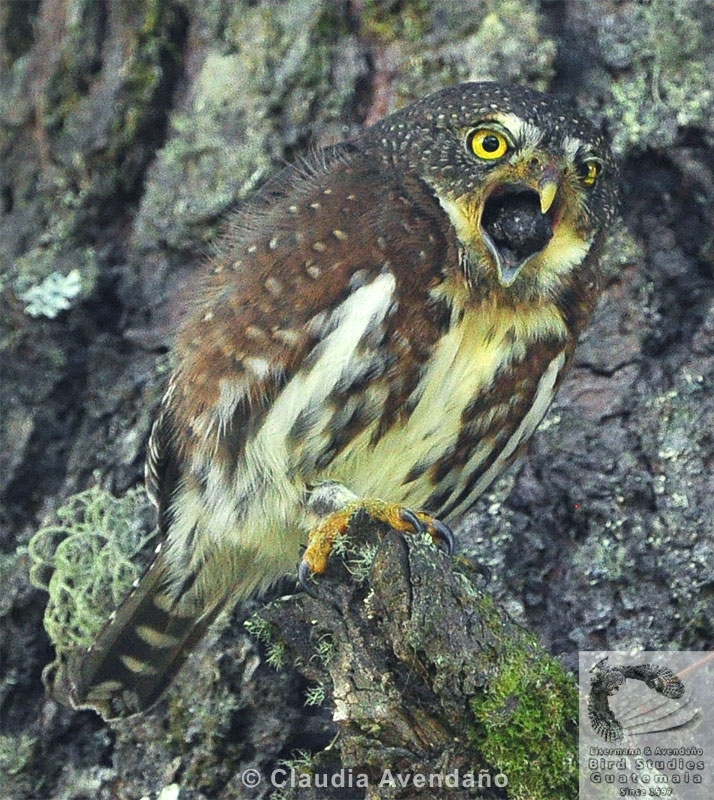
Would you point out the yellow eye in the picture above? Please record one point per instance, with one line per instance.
(589, 170)
(488, 144)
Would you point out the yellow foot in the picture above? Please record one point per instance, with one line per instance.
(322, 538)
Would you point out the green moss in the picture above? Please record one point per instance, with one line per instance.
(87, 562)
(490, 613)
(525, 724)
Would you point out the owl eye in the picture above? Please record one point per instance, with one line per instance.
(589, 170)
(487, 144)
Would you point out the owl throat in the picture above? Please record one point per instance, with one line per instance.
(513, 249)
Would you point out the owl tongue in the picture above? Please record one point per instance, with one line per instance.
(517, 229)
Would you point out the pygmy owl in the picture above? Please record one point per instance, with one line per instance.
(389, 318)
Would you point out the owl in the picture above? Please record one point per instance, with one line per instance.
(383, 328)
(607, 680)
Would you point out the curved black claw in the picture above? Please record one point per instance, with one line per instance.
(445, 536)
(413, 520)
(304, 575)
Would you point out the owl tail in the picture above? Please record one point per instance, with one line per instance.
(141, 648)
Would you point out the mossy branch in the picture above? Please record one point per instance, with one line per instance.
(427, 675)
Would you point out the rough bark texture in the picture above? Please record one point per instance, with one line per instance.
(128, 129)
(427, 677)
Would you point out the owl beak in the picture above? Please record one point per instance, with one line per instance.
(517, 222)
(547, 191)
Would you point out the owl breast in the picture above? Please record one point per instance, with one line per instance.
(479, 397)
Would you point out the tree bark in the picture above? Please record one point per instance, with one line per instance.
(428, 678)
(128, 132)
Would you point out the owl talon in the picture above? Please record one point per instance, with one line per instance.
(411, 518)
(440, 532)
(303, 576)
(444, 535)
(322, 538)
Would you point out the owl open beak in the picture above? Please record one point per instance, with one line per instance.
(517, 223)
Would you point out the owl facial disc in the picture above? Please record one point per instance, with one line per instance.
(514, 227)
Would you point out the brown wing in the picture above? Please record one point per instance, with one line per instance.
(162, 469)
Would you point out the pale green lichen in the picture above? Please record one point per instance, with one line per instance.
(325, 649)
(54, 294)
(301, 761)
(509, 46)
(259, 628)
(276, 655)
(16, 752)
(170, 792)
(315, 695)
(621, 250)
(499, 40)
(51, 277)
(358, 561)
(267, 78)
(88, 561)
(667, 83)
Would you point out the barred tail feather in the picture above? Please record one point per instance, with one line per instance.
(142, 647)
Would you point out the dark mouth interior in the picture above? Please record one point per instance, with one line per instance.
(512, 219)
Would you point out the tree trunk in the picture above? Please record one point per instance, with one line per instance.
(128, 131)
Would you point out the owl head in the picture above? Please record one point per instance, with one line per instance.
(528, 185)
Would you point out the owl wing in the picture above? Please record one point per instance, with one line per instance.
(603, 721)
(162, 469)
(659, 678)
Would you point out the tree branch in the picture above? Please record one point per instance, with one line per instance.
(426, 675)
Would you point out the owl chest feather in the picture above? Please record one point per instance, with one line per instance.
(503, 362)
